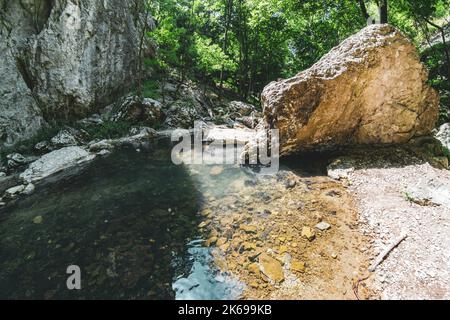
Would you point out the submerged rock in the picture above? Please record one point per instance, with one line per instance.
(371, 89)
(55, 162)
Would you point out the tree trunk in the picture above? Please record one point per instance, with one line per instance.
(383, 7)
(228, 13)
(363, 8)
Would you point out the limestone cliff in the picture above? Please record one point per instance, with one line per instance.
(64, 58)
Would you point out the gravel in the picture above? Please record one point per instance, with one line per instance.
(419, 268)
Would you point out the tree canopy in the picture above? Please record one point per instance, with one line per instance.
(241, 45)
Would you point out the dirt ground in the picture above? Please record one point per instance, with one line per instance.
(413, 198)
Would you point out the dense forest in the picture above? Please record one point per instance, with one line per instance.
(242, 45)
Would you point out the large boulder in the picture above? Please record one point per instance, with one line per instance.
(64, 58)
(371, 89)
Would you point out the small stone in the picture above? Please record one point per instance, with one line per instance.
(11, 192)
(249, 228)
(308, 233)
(29, 189)
(249, 246)
(225, 247)
(204, 224)
(298, 266)
(221, 242)
(290, 184)
(271, 268)
(334, 255)
(38, 220)
(215, 171)
(323, 226)
(211, 241)
(254, 268)
(283, 249)
(206, 213)
(103, 153)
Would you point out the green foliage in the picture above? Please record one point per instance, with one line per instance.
(107, 130)
(245, 44)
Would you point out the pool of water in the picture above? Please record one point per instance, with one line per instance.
(130, 221)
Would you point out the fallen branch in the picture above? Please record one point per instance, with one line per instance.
(384, 254)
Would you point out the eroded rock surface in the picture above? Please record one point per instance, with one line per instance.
(63, 58)
(371, 89)
(443, 135)
(55, 162)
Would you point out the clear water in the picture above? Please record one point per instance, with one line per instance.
(130, 221)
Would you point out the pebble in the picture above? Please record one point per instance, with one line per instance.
(308, 233)
(249, 228)
(215, 171)
(323, 226)
(38, 220)
(298, 266)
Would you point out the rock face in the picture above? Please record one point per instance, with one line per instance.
(63, 58)
(371, 89)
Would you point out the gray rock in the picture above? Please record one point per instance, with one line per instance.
(14, 191)
(103, 153)
(15, 160)
(64, 139)
(101, 145)
(7, 182)
(68, 58)
(430, 192)
(29, 189)
(241, 108)
(42, 146)
(443, 135)
(134, 109)
(55, 162)
(340, 169)
(323, 226)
